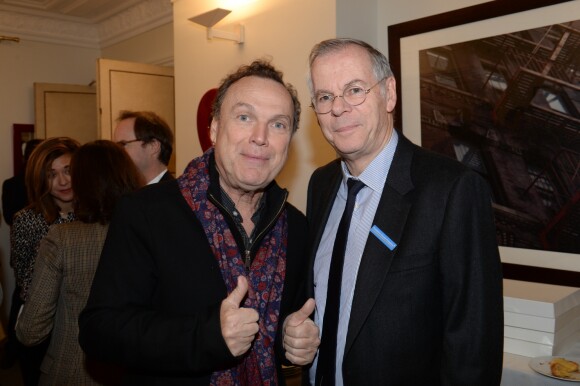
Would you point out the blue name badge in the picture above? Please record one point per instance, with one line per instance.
(375, 230)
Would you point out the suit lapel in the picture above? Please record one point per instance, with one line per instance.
(325, 203)
(390, 218)
(322, 198)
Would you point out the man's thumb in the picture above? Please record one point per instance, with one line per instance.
(238, 294)
(304, 313)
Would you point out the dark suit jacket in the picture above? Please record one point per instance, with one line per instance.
(166, 177)
(429, 312)
(155, 300)
(14, 197)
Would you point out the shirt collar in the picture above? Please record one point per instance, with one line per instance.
(375, 174)
(158, 178)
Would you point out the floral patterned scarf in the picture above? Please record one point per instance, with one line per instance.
(265, 279)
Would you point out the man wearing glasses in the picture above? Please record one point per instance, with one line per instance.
(148, 140)
(410, 293)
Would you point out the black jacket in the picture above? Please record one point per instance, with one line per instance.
(429, 311)
(155, 300)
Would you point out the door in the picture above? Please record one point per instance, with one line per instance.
(65, 110)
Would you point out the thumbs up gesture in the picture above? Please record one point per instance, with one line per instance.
(301, 335)
(239, 325)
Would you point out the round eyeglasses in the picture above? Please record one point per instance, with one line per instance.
(352, 95)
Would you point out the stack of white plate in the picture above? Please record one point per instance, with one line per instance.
(540, 319)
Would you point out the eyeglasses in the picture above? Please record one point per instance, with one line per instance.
(125, 143)
(352, 95)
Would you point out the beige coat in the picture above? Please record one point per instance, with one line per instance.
(64, 269)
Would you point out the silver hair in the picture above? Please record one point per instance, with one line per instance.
(380, 64)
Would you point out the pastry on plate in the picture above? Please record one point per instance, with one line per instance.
(562, 368)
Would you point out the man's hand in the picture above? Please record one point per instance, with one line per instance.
(301, 335)
(239, 325)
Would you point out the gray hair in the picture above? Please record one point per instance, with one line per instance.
(380, 64)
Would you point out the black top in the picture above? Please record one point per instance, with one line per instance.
(14, 197)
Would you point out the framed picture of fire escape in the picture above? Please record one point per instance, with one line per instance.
(497, 87)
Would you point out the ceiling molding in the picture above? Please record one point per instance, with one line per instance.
(49, 30)
(143, 17)
(37, 26)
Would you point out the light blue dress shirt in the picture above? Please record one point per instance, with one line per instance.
(367, 201)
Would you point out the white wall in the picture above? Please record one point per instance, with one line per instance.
(358, 19)
(22, 64)
(152, 47)
(284, 30)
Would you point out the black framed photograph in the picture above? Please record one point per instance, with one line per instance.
(495, 86)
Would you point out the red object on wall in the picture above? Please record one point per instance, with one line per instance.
(204, 118)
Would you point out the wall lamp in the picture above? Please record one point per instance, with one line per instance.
(209, 19)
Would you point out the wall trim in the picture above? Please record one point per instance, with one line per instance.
(71, 31)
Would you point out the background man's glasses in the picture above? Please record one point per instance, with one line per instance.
(125, 143)
(352, 95)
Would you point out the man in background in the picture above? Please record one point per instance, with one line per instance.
(14, 196)
(149, 141)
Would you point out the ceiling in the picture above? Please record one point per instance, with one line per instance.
(88, 11)
(81, 23)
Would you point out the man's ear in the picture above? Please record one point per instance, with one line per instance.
(213, 128)
(391, 87)
(154, 148)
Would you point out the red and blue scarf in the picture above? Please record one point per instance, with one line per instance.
(265, 278)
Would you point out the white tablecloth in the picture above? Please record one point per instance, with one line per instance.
(517, 372)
